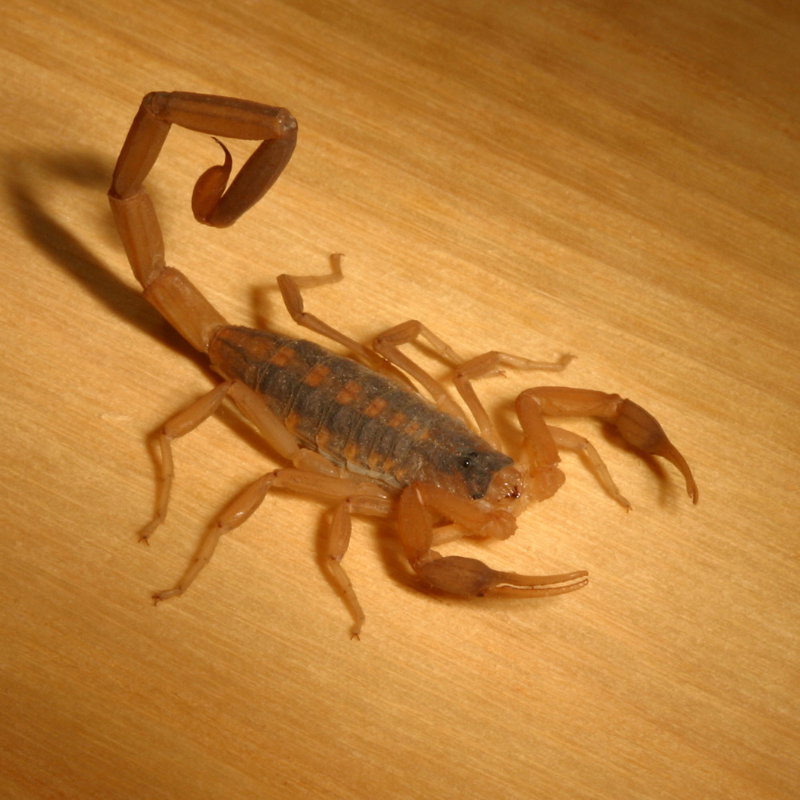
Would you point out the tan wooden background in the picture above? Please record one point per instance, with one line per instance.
(616, 180)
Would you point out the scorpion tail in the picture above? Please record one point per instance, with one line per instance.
(166, 288)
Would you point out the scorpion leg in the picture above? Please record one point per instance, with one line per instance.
(354, 496)
(375, 504)
(467, 577)
(637, 426)
(567, 440)
(388, 345)
(234, 515)
(491, 363)
(338, 542)
(182, 423)
(252, 406)
(290, 286)
(188, 419)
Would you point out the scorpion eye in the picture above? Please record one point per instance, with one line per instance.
(467, 460)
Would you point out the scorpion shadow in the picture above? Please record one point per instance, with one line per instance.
(64, 249)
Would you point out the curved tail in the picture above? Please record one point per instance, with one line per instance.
(178, 300)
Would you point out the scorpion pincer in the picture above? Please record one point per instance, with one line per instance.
(356, 430)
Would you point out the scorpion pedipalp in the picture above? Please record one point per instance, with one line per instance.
(636, 425)
(470, 577)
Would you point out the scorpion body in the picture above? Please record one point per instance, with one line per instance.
(357, 418)
(356, 431)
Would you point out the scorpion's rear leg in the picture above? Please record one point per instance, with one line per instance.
(353, 496)
(182, 423)
(290, 286)
(491, 363)
(252, 406)
(637, 427)
(467, 577)
(312, 474)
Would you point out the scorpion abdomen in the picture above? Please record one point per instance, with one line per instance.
(355, 416)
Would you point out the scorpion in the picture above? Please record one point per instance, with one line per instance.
(357, 431)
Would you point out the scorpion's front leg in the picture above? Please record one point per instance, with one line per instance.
(457, 575)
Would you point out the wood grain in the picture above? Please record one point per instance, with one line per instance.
(615, 180)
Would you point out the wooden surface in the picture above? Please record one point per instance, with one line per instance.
(615, 180)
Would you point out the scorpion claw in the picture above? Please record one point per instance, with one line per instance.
(641, 429)
(468, 577)
(515, 585)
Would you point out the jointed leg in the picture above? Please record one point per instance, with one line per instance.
(174, 428)
(233, 516)
(388, 344)
(254, 409)
(290, 286)
(338, 542)
(491, 363)
(567, 440)
(353, 496)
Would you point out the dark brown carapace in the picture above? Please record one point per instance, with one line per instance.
(357, 418)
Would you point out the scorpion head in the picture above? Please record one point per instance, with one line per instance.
(509, 490)
(478, 469)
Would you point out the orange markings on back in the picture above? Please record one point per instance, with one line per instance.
(293, 421)
(375, 460)
(323, 438)
(317, 375)
(348, 393)
(283, 357)
(412, 428)
(375, 408)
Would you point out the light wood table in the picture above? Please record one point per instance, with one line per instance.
(617, 181)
